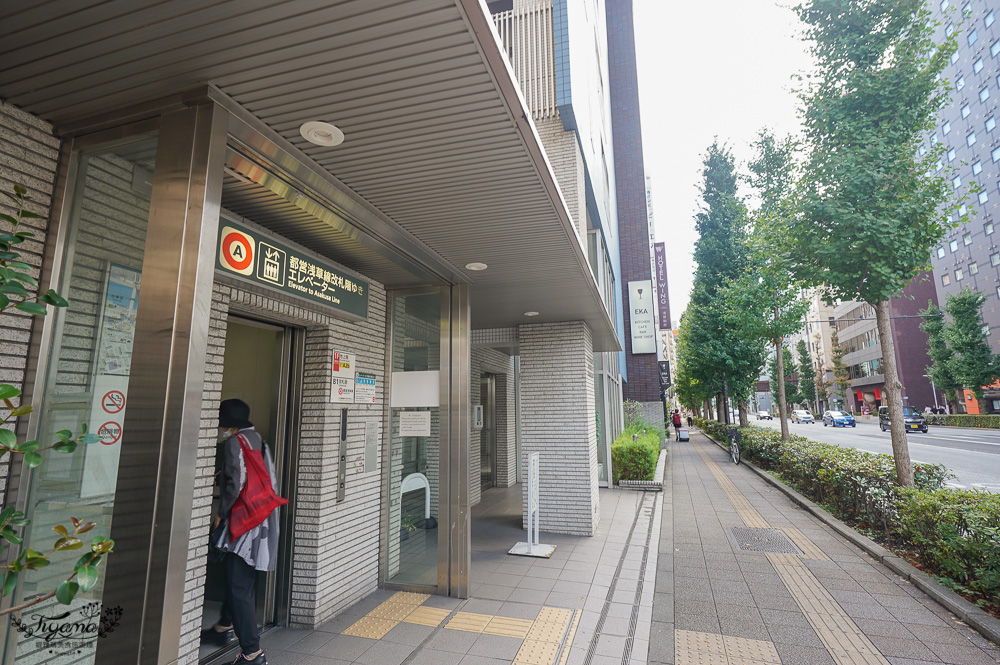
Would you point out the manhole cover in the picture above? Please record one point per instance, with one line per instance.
(750, 539)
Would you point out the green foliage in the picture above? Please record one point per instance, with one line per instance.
(16, 287)
(636, 459)
(973, 363)
(956, 533)
(941, 355)
(791, 389)
(807, 375)
(991, 421)
(841, 377)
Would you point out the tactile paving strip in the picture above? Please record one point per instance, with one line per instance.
(838, 632)
(747, 512)
(508, 627)
(693, 648)
(570, 637)
(542, 643)
(427, 616)
(808, 547)
(469, 622)
(753, 539)
(371, 627)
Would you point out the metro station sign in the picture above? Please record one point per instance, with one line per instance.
(256, 257)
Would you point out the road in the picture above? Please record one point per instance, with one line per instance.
(972, 454)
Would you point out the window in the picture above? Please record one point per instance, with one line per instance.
(950, 30)
(939, 165)
(970, 140)
(946, 128)
(977, 66)
(922, 150)
(963, 210)
(940, 252)
(967, 239)
(995, 48)
(953, 246)
(967, 10)
(995, 259)
(945, 279)
(973, 268)
(983, 197)
(966, 110)
(995, 154)
(951, 154)
(956, 181)
(991, 124)
(984, 94)
(955, 56)
(988, 228)
(944, 4)
(977, 168)
(934, 138)
(973, 36)
(960, 83)
(989, 19)
(959, 275)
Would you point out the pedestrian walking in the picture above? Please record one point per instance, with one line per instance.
(690, 420)
(247, 546)
(676, 420)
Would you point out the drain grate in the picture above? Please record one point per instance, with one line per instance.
(750, 539)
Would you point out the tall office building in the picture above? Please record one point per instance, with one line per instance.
(638, 283)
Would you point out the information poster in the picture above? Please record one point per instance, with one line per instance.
(342, 388)
(116, 332)
(414, 423)
(643, 324)
(364, 388)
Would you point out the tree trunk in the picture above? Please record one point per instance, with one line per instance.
(744, 413)
(720, 409)
(893, 396)
(782, 407)
(984, 407)
(725, 400)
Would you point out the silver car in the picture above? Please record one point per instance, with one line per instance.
(802, 416)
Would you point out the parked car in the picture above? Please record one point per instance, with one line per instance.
(913, 420)
(838, 419)
(802, 416)
(764, 415)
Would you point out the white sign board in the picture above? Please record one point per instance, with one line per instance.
(342, 385)
(641, 316)
(415, 389)
(414, 423)
(364, 388)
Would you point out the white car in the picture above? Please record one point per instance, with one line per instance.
(802, 416)
(764, 415)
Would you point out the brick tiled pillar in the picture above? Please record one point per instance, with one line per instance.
(558, 421)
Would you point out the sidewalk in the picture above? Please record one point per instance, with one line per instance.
(746, 576)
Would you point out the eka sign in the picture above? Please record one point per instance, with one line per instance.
(236, 251)
(641, 320)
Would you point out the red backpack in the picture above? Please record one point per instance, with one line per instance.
(677, 419)
(257, 499)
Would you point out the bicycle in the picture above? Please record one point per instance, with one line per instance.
(734, 445)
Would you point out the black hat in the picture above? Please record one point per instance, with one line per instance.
(234, 413)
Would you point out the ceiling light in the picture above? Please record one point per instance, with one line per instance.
(475, 266)
(321, 133)
(531, 313)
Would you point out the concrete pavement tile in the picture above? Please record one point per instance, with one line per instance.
(513, 568)
(348, 647)
(408, 633)
(620, 610)
(867, 611)
(908, 661)
(887, 628)
(681, 571)
(751, 630)
(610, 645)
(897, 602)
(848, 597)
(503, 579)
(663, 607)
(517, 610)
(945, 635)
(839, 584)
(532, 596)
(616, 626)
(536, 583)
(701, 623)
(784, 617)
(730, 586)
(685, 606)
(725, 573)
(740, 612)
(316, 659)
(742, 599)
(903, 647)
(773, 602)
(557, 599)
(482, 660)
(799, 635)
(959, 655)
(481, 606)
(496, 646)
(428, 656)
(286, 657)
(794, 654)
(921, 617)
(442, 602)
(283, 638)
(383, 653)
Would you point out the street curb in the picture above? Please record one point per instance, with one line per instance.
(987, 625)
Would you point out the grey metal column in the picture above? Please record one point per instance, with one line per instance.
(459, 424)
(153, 500)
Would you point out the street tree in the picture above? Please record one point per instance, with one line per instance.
(791, 389)
(807, 375)
(871, 204)
(973, 363)
(941, 355)
(841, 375)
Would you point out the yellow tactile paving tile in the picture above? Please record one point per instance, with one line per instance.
(740, 649)
(533, 652)
(427, 616)
(371, 627)
(469, 622)
(409, 598)
(554, 614)
(695, 641)
(392, 611)
(808, 547)
(508, 627)
(694, 648)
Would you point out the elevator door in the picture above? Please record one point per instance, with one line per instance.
(258, 369)
(488, 435)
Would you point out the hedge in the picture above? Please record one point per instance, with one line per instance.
(991, 421)
(636, 459)
(954, 533)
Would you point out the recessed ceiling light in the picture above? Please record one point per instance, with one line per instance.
(475, 266)
(321, 133)
(531, 313)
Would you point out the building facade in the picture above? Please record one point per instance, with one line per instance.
(405, 328)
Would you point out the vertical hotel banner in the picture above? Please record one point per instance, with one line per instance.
(663, 299)
(642, 323)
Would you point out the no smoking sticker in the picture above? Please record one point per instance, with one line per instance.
(236, 251)
(110, 432)
(113, 401)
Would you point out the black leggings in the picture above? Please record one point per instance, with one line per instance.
(240, 607)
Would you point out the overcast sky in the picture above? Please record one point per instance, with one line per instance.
(708, 69)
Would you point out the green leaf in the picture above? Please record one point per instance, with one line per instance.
(25, 234)
(64, 435)
(55, 299)
(66, 592)
(89, 438)
(8, 534)
(6, 392)
(32, 460)
(61, 530)
(28, 446)
(22, 410)
(8, 218)
(70, 543)
(9, 582)
(20, 191)
(7, 438)
(64, 447)
(87, 578)
(102, 545)
(25, 279)
(32, 308)
(14, 288)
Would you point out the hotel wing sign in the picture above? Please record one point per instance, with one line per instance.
(255, 257)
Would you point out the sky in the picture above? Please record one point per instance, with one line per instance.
(721, 69)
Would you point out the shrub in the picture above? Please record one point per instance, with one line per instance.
(636, 459)
(991, 421)
(957, 534)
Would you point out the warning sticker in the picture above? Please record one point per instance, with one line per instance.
(110, 432)
(113, 401)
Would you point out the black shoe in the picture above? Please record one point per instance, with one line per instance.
(259, 660)
(213, 637)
